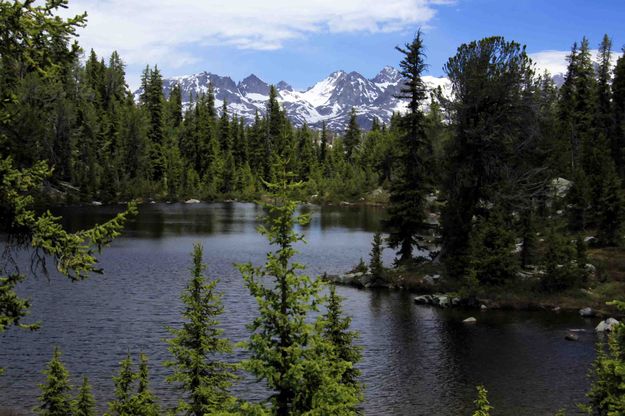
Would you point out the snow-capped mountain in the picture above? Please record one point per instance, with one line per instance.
(329, 100)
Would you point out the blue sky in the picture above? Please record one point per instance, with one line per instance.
(303, 41)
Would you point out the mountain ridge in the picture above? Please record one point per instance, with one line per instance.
(330, 100)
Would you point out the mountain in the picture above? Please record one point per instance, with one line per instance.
(329, 100)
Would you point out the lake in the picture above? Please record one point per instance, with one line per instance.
(417, 360)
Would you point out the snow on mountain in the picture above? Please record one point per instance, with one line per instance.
(329, 100)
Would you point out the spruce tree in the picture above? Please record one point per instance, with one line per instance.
(55, 399)
(375, 262)
(482, 405)
(411, 181)
(618, 109)
(336, 331)
(131, 400)
(198, 345)
(352, 136)
(287, 350)
(607, 393)
(84, 404)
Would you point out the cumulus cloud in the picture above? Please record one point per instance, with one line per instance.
(556, 61)
(152, 31)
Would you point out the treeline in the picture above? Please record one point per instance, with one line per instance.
(104, 145)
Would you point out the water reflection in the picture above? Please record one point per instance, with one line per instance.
(416, 360)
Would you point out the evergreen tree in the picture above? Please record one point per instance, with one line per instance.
(494, 123)
(607, 394)
(375, 262)
(198, 345)
(84, 404)
(411, 182)
(618, 109)
(323, 146)
(55, 399)
(352, 136)
(131, 401)
(482, 405)
(286, 350)
(336, 332)
(490, 247)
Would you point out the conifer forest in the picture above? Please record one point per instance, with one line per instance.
(503, 195)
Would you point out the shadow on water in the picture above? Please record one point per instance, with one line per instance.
(416, 360)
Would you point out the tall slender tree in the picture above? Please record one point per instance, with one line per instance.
(411, 182)
(198, 345)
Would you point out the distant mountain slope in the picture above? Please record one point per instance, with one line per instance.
(329, 100)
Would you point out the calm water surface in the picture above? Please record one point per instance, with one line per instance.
(417, 360)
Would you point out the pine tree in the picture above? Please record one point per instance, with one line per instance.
(490, 249)
(55, 399)
(287, 352)
(607, 393)
(618, 108)
(84, 404)
(131, 401)
(482, 405)
(323, 146)
(611, 208)
(494, 121)
(375, 262)
(352, 136)
(411, 182)
(198, 346)
(336, 332)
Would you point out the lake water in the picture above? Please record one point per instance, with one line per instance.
(417, 360)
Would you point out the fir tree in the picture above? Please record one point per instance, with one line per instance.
(198, 345)
(287, 351)
(482, 405)
(84, 404)
(607, 394)
(375, 262)
(352, 136)
(131, 400)
(336, 332)
(411, 182)
(55, 399)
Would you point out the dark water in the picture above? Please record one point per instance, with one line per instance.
(417, 360)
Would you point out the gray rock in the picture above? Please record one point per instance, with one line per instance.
(192, 201)
(586, 312)
(607, 325)
(423, 300)
(470, 320)
(557, 309)
(442, 300)
(483, 307)
(96, 203)
(571, 337)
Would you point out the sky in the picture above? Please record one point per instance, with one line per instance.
(302, 42)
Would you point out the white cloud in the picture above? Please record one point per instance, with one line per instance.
(556, 63)
(158, 30)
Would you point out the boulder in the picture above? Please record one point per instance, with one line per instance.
(557, 309)
(607, 325)
(442, 300)
(96, 203)
(192, 201)
(571, 337)
(586, 312)
(423, 300)
(483, 307)
(470, 320)
(431, 279)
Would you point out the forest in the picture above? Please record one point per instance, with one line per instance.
(510, 175)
